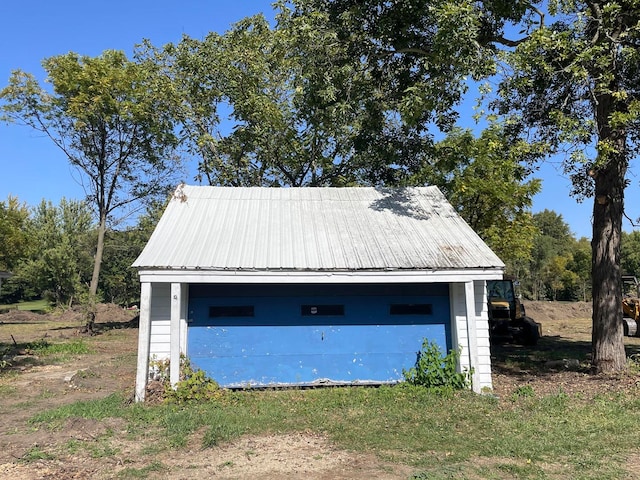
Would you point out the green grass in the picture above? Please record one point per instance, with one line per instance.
(35, 453)
(44, 348)
(455, 436)
(34, 305)
(141, 472)
(40, 352)
(7, 390)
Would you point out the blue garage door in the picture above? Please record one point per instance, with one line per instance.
(262, 335)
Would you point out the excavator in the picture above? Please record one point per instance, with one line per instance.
(507, 318)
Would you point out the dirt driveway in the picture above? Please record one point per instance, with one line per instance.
(32, 388)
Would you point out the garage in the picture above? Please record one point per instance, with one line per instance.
(312, 286)
(264, 335)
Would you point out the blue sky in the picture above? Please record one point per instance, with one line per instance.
(32, 169)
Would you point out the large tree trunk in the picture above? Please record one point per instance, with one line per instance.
(608, 354)
(97, 263)
(90, 314)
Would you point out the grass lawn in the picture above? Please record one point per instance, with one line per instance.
(453, 436)
(545, 424)
(34, 305)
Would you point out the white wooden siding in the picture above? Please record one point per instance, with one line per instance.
(160, 321)
(482, 329)
(460, 336)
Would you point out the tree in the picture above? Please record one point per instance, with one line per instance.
(551, 255)
(14, 239)
(581, 266)
(574, 84)
(58, 266)
(420, 53)
(630, 253)
(297, 103)
(499, 210)
(119, 283)
(112, 118)
(571, 84)
(307, 111)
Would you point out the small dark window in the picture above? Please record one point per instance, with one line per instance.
(410, 309)
(323, 310)
(231, 311)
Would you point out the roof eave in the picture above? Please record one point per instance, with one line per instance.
(199, 275)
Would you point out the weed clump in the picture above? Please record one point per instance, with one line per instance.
(436, 371)
(193, 386)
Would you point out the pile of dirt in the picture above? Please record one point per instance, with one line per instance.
(543, 312)
(108, 315)
(19, 316)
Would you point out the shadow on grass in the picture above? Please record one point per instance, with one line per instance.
(545, 358)
(105, 326)
(101, 327)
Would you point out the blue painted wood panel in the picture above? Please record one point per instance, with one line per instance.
(279, 346)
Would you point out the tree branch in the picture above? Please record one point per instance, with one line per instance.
(514, 43)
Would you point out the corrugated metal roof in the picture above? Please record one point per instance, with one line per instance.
(360, 228)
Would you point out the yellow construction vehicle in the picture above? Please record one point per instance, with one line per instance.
(507, 318)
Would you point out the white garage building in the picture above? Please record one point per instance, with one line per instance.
(307, 286)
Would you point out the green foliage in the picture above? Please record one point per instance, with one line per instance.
(313, 104)
(43, 347)
(59, 261)
(15, 238)
(193, 386)
(111, 406)
(219, 433)
(523, 391)
(130, 472)
(36, 453)
(297, 99)
(119, 282)
(560, 265)
(630, 253)
(499, 210)
(436, 371)
(572, 83)
(114, 120)
(567, 82)
(62, 265)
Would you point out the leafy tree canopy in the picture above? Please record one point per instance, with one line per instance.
(569, 81)
(14, 237)
(112, 117)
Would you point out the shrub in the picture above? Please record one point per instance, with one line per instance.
(436, 371)
(194, 385)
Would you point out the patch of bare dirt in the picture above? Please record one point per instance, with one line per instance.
(273, 457)
(32, 384)
(558, 364)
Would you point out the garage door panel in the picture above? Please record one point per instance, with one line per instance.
(277, 311)
(305, 369)
(319, 339)
(281, 341)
